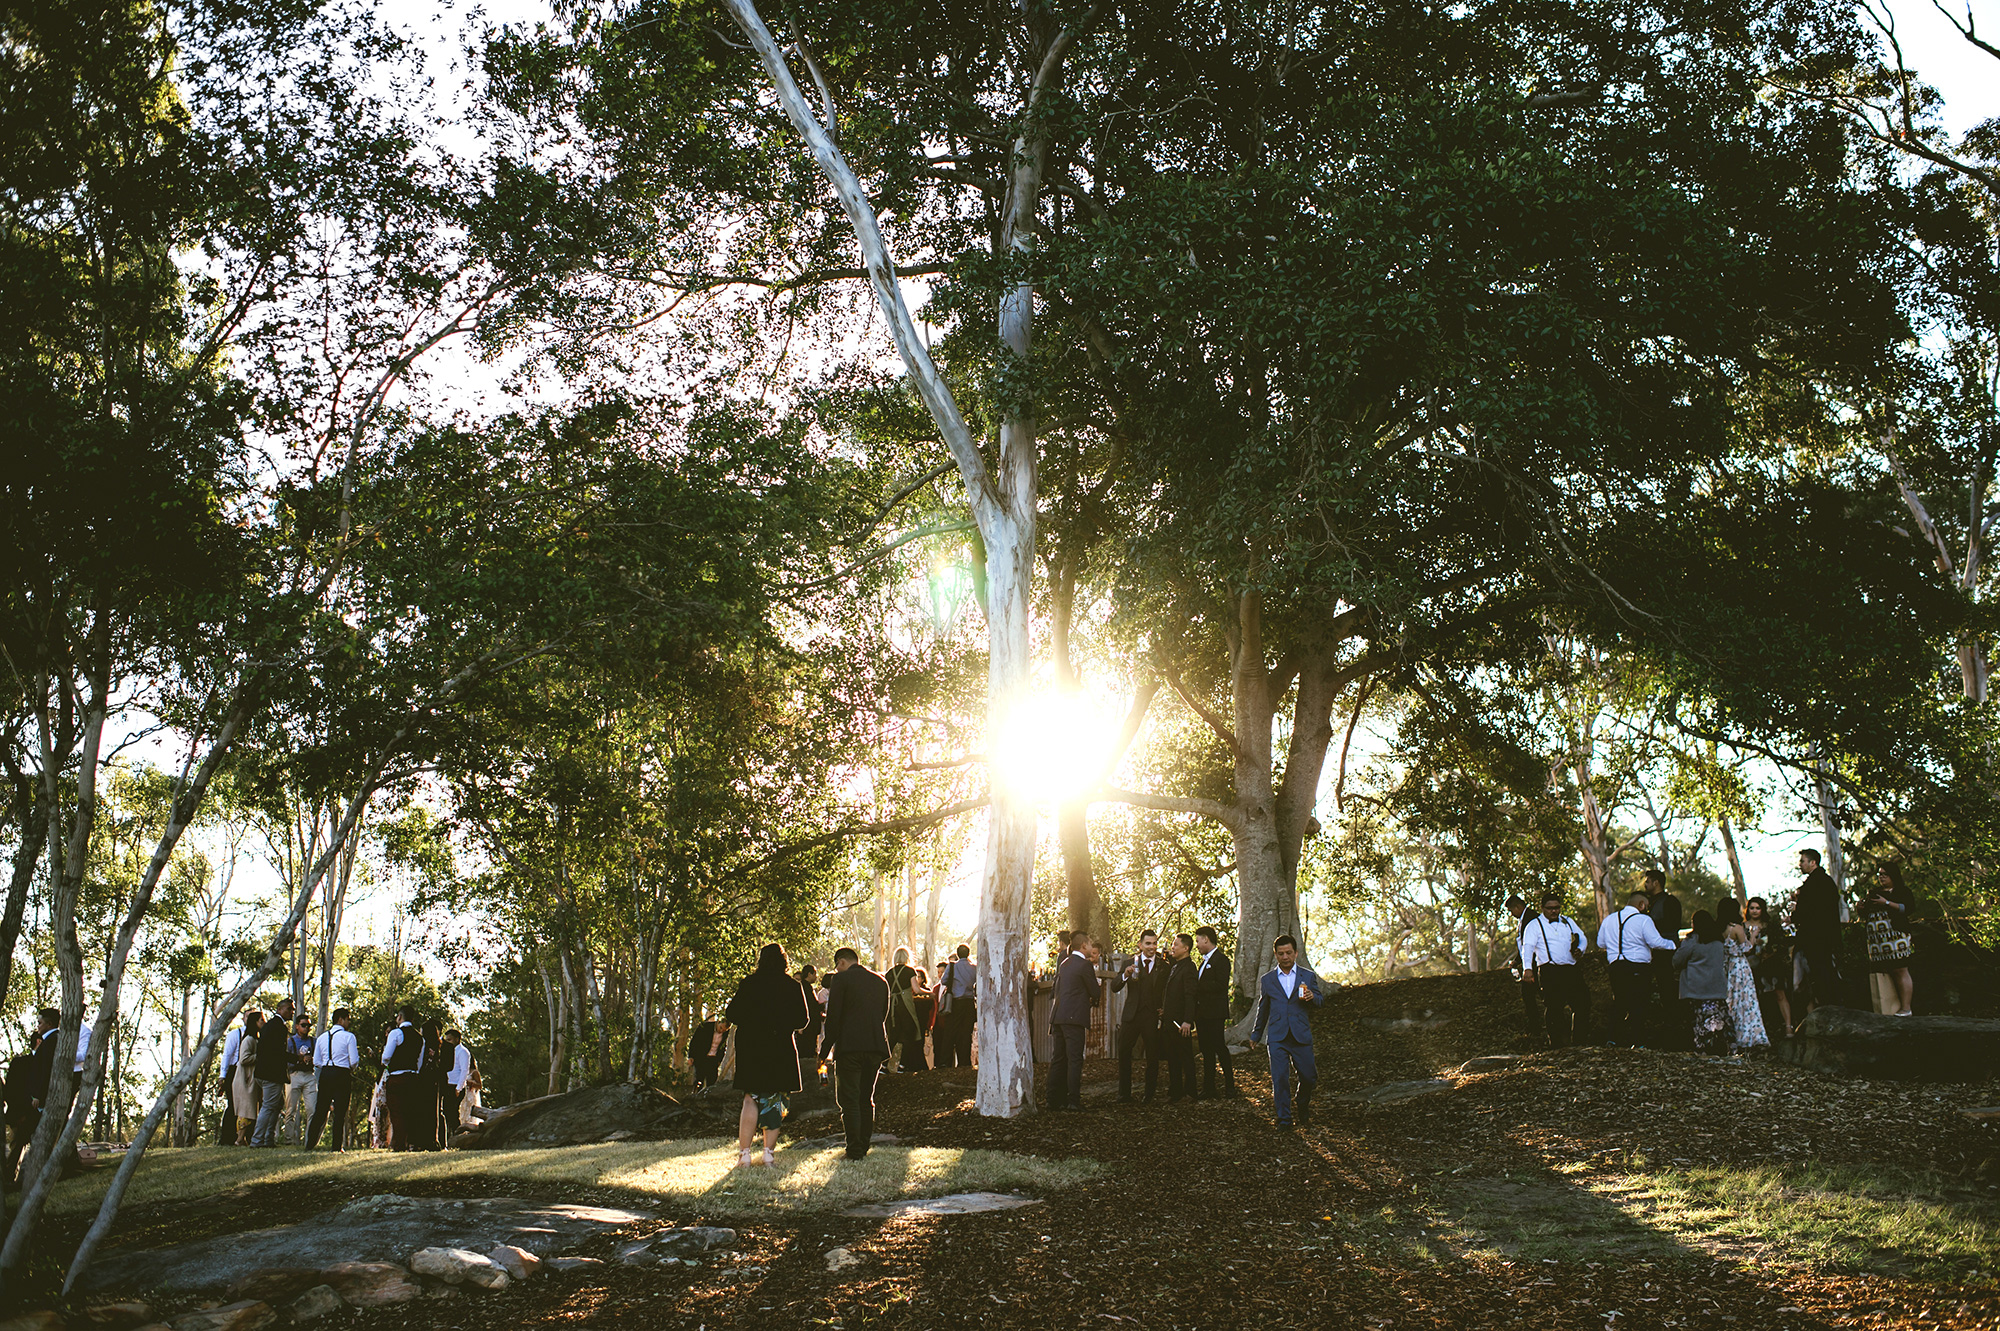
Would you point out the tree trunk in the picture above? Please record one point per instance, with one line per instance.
(1735, 862)
(556, 1020)
(1829, 821)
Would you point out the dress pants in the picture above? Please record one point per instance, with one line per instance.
(270, 1106)
(1285, 1056)
(403, 1092)
(1129, 1034)
(334, 1084)
(1565, 1003)
(854, 1091)
(1066, 1068)
(299, 1093)
(1531, 1008)
(1208, 1034)
(1180, 1063)
(1631, 995)
(954, 1049)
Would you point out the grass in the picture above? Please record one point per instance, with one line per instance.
(1831, 1217)
(697, 1175)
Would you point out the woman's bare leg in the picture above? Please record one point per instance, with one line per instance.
(746, 1123)
(1906, 988)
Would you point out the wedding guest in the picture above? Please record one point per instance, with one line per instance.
(431, 1089)
(401, 1089)
(1287, 993)
(1077, 991)
(1664, 909)
(243, 1077)
(704, 1053)
(926, 1016)
(808, 1039)
(273, 1073)
(457, 1063)
(1211, 987)
(1628, 940)
(767, 1013)
(1552, 951)
(953, 1044)
(1703, 962)
(336, 1055)
(1746, 1018)
(1518, 915)
(1143, 981)
(1177, 1018)
(906, 1039)
(856, 1038)
(1816, 934)
(1890, 945)
(1771, 963)
(299, 1087)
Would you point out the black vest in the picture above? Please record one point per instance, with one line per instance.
(407, 1053)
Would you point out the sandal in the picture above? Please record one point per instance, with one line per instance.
(744, 1159)
(769, 1159)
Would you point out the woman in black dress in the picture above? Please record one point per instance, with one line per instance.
(430, 1106)
(767, 1013)
(807, 1040)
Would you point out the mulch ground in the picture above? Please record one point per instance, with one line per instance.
(1212, 1217)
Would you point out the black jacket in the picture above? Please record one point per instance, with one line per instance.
(1212, 988)
(1077, 991)
(1177, 994)
(768, 1012)
(1148, 992)
(274, 1057)
(1816, 913)
(857, 1014)
(1666, 913)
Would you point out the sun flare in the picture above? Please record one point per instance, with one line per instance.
(1053, 747)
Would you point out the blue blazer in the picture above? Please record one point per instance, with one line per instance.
(1287, 1018)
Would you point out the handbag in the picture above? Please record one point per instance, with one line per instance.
(1887, 943)
(945, 1001)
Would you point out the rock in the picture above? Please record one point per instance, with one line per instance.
(1489, 1062)
(275, 1286)
(839, 1259)
(589, 1115)
(459, 1266)
(316, 1303)
(45, 1320)
(243, 1315)
(370, 1231)
(675, 1245)
(518, 1263)
(623, 1134)
(573, 1263)
(1983, 1114)
(1391, 1092)
(958, 1203)
(1407, 1022)
(1851, 1043)
(128, 1313)
(370, 1284)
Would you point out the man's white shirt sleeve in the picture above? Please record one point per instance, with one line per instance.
(461, 1066)
(390, 1046)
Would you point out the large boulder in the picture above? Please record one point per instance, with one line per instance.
(620, 1112)
(1852, 1043)
(358, 1249)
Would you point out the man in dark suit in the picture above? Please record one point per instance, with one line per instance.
(273, 1073)
(1177, 1014)
(1077, 991)
(1211, 1013)
(1286, 996)
(1816, 932)
(856, 1037)
(1144, 983)
(1664, 909)
(28, 1087)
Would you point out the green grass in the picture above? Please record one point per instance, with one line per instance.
(696, 1175)
(1830, 1217)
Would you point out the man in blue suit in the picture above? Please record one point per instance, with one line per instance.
(1288, 994)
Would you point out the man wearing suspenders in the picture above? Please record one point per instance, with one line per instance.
(1629, 940)
(1552, 949)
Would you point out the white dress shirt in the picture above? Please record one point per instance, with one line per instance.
(1630, 935)
(1546, 942)
(82, 1045)
(1289, 982)
(336, 1048)
(461, 1066)
(229, 1048)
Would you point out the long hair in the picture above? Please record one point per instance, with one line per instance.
(771, 957)
(1894, 873)
(1706, 928)
(1763, 908)
(1729, 911)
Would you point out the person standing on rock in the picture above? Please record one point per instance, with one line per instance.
(959, 1015)
(402, 1060)
(459, 1062)
(1077, 991)
(1816, 934)
(1629, 940)
(767, 1013)
(1211, 985)
(1287, 995)
(273, 1070)
(857, 1039)
(1144, 982)
(335, 1056)
(1552, 950)
(1177, 1019)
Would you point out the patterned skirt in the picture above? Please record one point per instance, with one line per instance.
(1711, 1025)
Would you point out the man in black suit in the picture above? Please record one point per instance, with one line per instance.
(1177, 1016)
(1664, 909)
(1816, 933)
(1144, 981)
(1211, 1013)
(1077, 991)
(856, 1037)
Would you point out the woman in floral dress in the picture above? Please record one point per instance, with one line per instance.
(1746, 1016)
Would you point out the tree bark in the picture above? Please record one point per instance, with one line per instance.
(1735, 862)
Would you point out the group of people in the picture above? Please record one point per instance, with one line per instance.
(28, 1074)
(1176, 1007)
(287, 1086)
(1724, 985)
